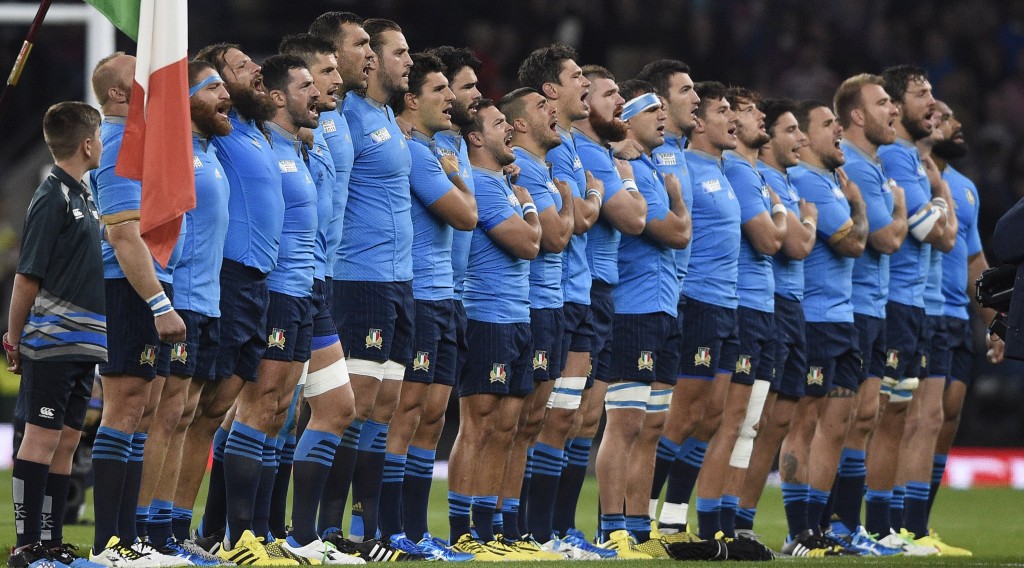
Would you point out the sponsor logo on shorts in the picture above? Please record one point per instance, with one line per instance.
(374, 339)
(815, 376)
(646, 361)
(179, 353)
(540, 360)
(148, 356)
(498, 374)
(46, 412)
(892, 358)
(743, 364)
(703, 357)
(421, 362)
(276, 339)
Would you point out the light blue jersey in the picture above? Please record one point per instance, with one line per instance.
(715, 247)
(432, 237)
(339, 141)
(546, 269)
(871, 269)
(908, 267)
(756, 284)
(293, 274)
(788, 272)
(670, 158)
(603, 238)
(567, 166)
(321, 166)
(451, 143)
(968, 243)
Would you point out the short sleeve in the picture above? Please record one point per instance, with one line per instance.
(833, 214)
(877, 209)
(115, 194)
(653, 189)
(535, 181)
(563, 166)
(901, 167)
(749, 190)
(492, 203)
(427, 178)
(598, 161)
(45, 218)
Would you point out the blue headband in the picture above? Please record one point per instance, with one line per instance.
(211, 79)
(639, 104)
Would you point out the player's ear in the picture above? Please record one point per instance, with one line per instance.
(411, 101)
(279, 97)
(475, 138)
(549, 91)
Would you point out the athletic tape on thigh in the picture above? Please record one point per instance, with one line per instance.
(628, 395)
(305, 374)
(393, 371)
(658, 400)
(898, 396)
(567, 393)
(740, 457)
(366, 368)
(330, 377)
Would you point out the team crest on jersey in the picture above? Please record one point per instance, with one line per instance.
(711, 185)
(179, 353)
(498, 373)
(329, 126)
(892, 358)
(815, 376)
(664, 159)
(196, 162)
(743, 364)
(421, 362)
(703, 357)
(540, 360)
(969, 194)
(77, 213)
(276, 339)
(645, 362)
(380, 135)
(374, 339)
(148, 356)
(287, 166)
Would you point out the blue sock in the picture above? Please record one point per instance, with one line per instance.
(110, 452)
(127, 527)
(498, 524)
(899, 493)
(728, 518)
(29, 498)
(876, 512)
(709, 517)
(181, 523)
(915, 516)
(510, 518)
(215, 515)
(458, 515)
(850, 487)
(282, 481)
(524, 493)
(794, 501)
(938, 470)
(483, 509)
(159, 526)
(265, 490)
(745, 518)
(58, 486)
(610, 524)
(390, 509)
(547, 472)
(314, 455)
(574, 472)
(367, 479)
(243, 465)
(419, 473)
(684, 471)
(335, 495)
(665, 456)
(141, 520)
(640, 527)
(816, 501)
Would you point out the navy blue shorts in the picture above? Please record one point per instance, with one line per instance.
(134, 348)
(871, 331)
(461, 346)
(833, 357)
(933, 326)
(289, 328)
(957, 343)
(375, 320)
(754, 360)
(499, 359)
(638, 342)
(547, 327)
(602, 311)
(579, 330)
(790, 358)
(244, 299)
(904, 326)
(55, 394)
(434, 344)
(196, 357)
(710, 340)
(323, 313)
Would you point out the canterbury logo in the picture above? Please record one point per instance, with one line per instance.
(46, 412)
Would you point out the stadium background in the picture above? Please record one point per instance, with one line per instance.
(972, 49)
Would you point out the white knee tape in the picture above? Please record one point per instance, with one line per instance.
(366, 368)
(626, 396)
(659, 400)
(393, 371)
(329, 378)
(900, 396)
(741, 452)
(567, 393)
(305, 374)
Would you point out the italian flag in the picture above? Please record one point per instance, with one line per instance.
(157, 145)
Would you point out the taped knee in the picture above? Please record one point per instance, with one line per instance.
(366, 368)
(567, 393)
(627, 395)
(659, 400)
(329, 378)
(393, 371)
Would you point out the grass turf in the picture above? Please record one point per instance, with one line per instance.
(982, 520)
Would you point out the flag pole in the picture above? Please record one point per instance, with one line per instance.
(19, 63)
